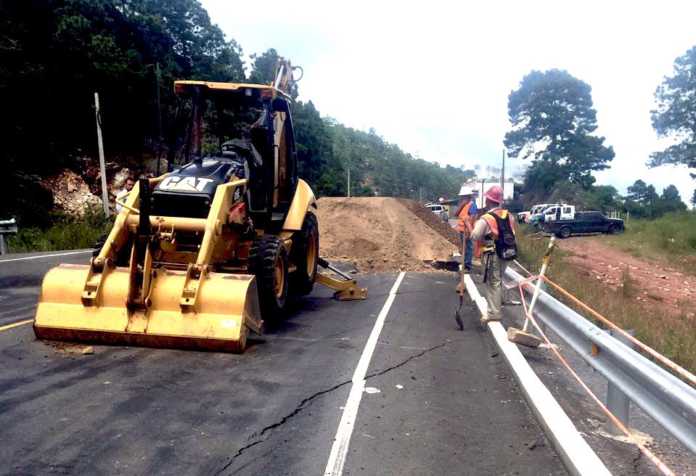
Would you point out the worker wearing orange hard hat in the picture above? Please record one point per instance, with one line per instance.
(496, 232)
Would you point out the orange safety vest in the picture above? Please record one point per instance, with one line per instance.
(493, 224)
(464, 218)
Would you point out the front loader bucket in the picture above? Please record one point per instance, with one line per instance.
(226, 308)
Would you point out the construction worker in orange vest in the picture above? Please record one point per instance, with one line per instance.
(465, 214)
(487, 230)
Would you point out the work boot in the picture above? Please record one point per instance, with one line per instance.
(489, 318)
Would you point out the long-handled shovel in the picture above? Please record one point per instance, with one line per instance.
(461, 289)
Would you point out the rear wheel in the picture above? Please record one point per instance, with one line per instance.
(564, 232)
(613, 229)
(305, 256)
(268, 261)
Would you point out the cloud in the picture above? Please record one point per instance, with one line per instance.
(434, 76)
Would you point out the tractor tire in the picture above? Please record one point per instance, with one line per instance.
(98, 245)
(122, 257)
(305, 256)
(268, 261)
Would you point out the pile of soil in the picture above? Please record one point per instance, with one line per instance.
(432, 220)
(380, 234)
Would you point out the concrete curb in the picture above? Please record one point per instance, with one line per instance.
(578, 457)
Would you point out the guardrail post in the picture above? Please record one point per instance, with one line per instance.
(617, 401)
(7, 227)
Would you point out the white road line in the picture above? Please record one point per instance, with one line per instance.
(576, 454)
(339, 449)
(27, 258)
(15, 324)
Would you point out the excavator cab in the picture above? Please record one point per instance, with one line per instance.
(211, 250)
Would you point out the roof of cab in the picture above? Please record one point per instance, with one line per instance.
(181, 86)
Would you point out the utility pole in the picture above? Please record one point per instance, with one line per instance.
(502, 173)
(483, 200)
(102, 165)
(159, 116)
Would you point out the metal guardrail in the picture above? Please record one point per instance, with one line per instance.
(7, 227)
(631, 376)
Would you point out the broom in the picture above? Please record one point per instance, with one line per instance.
(523, 337)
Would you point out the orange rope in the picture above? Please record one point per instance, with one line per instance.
(649, 454)
(688, 376)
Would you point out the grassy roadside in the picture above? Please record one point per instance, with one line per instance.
(65, 234)
(670, 239)
(673, 336)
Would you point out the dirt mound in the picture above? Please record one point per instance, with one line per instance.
(432, 220)
(379, 234)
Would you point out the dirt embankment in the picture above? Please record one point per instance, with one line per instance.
(380, 234)
(654, 283)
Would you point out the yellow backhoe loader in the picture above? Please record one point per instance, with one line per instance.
(201, 255)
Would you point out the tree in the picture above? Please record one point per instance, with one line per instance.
(54, 54)
(675, 115)
(693, 198)
(263, 67)
(642, 193)
(643, 201)
(670, 201)
(553, 120)
(604, 198)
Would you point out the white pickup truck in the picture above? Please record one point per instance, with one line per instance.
(559, 212)
(439, 210)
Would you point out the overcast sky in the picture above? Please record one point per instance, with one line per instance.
(434, 76)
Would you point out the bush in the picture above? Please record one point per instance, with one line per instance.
(65, 233)
(672, 233)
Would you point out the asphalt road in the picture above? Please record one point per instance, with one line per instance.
(438, 401)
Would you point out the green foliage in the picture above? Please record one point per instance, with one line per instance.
(64, 234)
(673, 233)
(378, 167)
(54, 54)
(642, 201)
(553, 120)
(263, 67)
(675, 115)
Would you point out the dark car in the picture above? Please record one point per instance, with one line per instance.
(584, 222)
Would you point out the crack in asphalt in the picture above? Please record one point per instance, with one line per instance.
(258, 436)
(636, 461)
(404, 362)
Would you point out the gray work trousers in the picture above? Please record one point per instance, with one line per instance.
(494, 268)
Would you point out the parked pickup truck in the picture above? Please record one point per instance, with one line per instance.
(584, 222)
(439, 210)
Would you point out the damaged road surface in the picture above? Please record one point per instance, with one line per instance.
(437, 401)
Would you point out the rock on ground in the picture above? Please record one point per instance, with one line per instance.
(71, 194)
